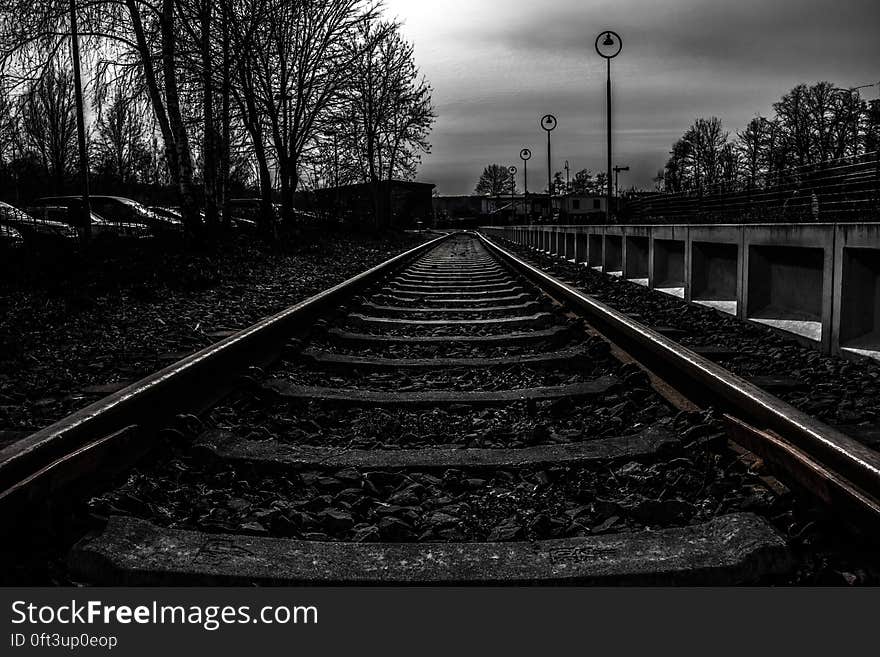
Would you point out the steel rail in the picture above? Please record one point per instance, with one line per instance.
(833, 466)
(190, 385)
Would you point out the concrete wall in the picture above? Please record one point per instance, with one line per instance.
(855, 322)
(789, 273)
(635, 257)
(818, 283)
(716, 267)
(613, 254)
(714, 272)
(596, 249)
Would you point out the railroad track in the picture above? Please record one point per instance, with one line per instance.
(447, 417)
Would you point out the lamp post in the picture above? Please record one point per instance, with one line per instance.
(549, 123)
(608, 45)
(512, 170)
(86, 209)
(525, 155)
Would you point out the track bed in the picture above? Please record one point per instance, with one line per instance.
(448, 423)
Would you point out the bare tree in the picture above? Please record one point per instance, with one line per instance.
(813, 119)
(48, 123)
(752, 145)
(233, 86)
(121, 143)
(583, 182)
(293, 64)
(391, 108)
(494, 181)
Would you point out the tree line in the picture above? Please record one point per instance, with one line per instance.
(210, 97)
(810, 125)
(498, 180)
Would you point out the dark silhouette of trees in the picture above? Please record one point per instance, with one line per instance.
(48, 124)
(494, 181)
(811, 125)
(121, 145)
(207, 95)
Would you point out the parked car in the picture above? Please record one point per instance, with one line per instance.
(237, 222)
(119, 209)
(10, 238)
(250, 209)
(100, 227)
(172, 214)
(33, 227)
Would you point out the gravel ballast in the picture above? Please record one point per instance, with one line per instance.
(75, 330)
(841, 392)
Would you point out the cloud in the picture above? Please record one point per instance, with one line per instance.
(497, 67)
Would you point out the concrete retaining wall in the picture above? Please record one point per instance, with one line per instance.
(819, 283)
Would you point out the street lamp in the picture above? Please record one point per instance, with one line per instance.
(608, 45)
(512, 171)
(549, 123)
(525, 155)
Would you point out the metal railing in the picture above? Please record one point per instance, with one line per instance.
(845, 190)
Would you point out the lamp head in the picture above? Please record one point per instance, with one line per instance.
(609, 44)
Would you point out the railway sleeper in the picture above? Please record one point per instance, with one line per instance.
(732, 549)
(554, 334)
(521, 308)
(298, 393)
(284, 456)
(567, 358)
(452, 302)
(457, 271)
(413, 278)
(454, 287)
(445, 295)
(455, 275)
(536, 321)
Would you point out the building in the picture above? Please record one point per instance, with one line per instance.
(457, 208)
(518, 209)
(397, 203)
(583, 208)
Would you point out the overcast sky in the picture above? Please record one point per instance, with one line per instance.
(498, 66)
